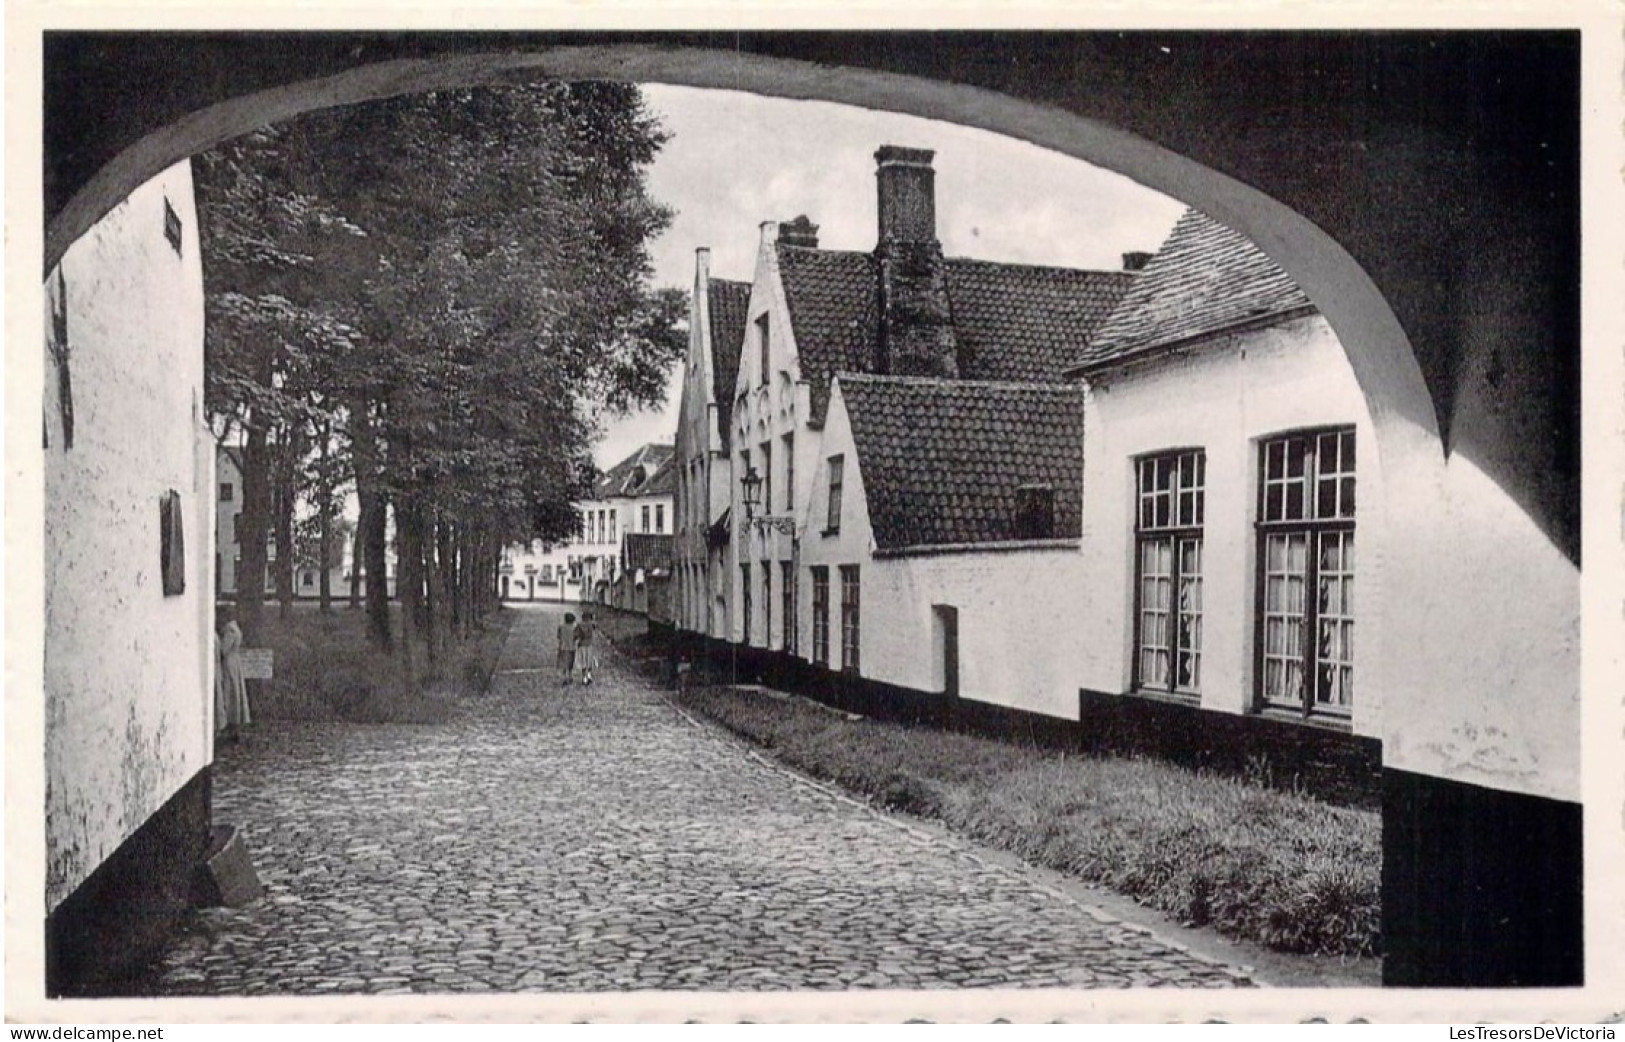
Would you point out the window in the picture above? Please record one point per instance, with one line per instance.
(820, 615)
(790, 474)
(646, 527)
(767, 477)
(660, 517)
(1035, 512)
(307, 579)
(849, 618)
(1306, 572)
(227, 491)
(744, 600)
(787, 582)
(837, 464)
(762, 338)
(1168, 567)
(767, 604)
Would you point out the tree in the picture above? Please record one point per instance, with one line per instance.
(455, 287)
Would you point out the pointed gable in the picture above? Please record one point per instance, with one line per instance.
(945, 462)
(1205, 279)
(1024, 322)
(834, 311)
(729, 301)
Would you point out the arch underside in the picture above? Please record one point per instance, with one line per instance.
(1406, 212)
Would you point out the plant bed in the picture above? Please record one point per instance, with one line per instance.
(1273, 868)
(326, 670)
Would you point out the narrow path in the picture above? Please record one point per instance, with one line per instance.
(569, 838)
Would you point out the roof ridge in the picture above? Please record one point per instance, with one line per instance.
(945, 381)
(1039, 267)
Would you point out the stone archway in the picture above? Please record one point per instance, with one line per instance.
(1449, 341)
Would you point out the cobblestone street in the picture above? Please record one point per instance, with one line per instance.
(554, 838)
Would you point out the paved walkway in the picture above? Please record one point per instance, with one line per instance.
(556, 838)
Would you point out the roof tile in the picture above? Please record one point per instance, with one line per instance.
(729, 302)
(1205, 279)
(943, 460)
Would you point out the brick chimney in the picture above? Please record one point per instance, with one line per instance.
(916, 325)
(799, 232)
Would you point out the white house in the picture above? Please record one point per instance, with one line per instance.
(635, 495)
(947, 514)
(716, 327)
(128, 585)
(903, 310)
(1232, 527)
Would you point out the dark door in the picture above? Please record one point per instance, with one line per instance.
(947, 617)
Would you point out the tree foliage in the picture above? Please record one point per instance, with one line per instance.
(454, 288)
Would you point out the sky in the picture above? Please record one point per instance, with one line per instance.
(735, 160)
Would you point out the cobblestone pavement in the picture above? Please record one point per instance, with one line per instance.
(555, 838)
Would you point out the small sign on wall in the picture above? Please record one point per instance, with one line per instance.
(257, 663)
(172, 548)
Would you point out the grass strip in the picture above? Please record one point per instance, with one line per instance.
(1277, 868)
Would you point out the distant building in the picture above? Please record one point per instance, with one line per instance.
(637, 495)
(716, 328)
(902, 310)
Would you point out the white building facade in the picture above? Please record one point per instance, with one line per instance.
(703, 471)
(129, 486)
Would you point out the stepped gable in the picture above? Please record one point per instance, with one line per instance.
(1206, 279)
(944, 461)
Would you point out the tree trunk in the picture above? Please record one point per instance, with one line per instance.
(287, 453)
(356, 567)
(443, 584)
(324, 522)
(252, 527)
(408, 582)
(372, 531)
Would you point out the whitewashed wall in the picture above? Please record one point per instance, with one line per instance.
(1014, 605)
(128, 670)
(1223, 398)
(766, 410)
(1483, 682)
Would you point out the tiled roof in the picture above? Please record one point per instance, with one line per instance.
(1205, 279)
(663, 482)
(729, 302)
(628, 477)
(833, 296)
(1014, 322)
(647, 551)
(942, 460)
(1025, 323)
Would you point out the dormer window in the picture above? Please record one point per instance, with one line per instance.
(1035, 511)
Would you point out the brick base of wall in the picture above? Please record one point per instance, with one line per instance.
(1480, 888)
(1332, 765)
(105, 933)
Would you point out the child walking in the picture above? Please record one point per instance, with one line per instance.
(567, 647)
(586, 647)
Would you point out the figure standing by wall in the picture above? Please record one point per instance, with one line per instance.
(230, 689)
